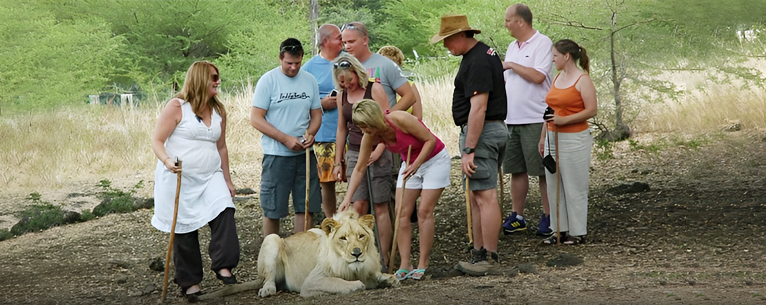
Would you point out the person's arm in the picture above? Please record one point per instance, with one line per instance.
(408, 97)
(417, 107)
(379, 95)
(340, 142)
(527, 73)
(328, 103)
(475, 126)
(588, 93)
(169, 118)
(223, 151)
(314, 123)
(359, 171)
(409, 124)
(258, 120)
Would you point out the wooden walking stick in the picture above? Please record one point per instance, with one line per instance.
(172, 233)
(502, 193)
(308, 178)
(398, 213)
(558, 182)
(468, 210)
(368, 172)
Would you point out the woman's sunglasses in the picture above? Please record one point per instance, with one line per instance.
(343, 64)
(215, 77)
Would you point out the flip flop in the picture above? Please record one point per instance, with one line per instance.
(417, 274)
(402, 274)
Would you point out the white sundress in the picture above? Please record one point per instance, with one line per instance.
(204, 193)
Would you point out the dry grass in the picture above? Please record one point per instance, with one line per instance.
(52, 150)
(704, 112)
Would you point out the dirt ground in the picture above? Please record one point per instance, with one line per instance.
(696, 236)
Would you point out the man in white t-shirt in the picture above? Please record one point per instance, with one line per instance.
(287, 111)
(527, 80)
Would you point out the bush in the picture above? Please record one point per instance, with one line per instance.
(115, 200)
(38, 217)
(5, 234)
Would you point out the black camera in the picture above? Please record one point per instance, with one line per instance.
(548, 113)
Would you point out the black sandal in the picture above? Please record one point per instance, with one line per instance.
(574, 240)
(191, 297)
(551, 240)
(227, 280)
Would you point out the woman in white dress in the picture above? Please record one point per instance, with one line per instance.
(192, 128)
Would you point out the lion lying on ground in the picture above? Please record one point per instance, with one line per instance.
(339, 258)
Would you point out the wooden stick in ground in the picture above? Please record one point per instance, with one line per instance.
(468, 210)
(172, 233)
(392, 257)
(558, 182)
(308, 178)
(502, 193)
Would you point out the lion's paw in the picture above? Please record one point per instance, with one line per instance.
(267, 291)
(389, 280)
(356, 286)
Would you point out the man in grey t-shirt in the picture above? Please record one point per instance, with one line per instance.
(356, 41)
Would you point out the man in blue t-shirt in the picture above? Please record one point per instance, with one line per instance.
(320, 66)
(287, 111)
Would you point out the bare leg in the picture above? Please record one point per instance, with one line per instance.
(299, 222)
(426, 223)
(404, 236)
(486, 200)
(329, 202)
(519, 189)
(270, 226)
(478, 239)
(361, 206)
(384, 228)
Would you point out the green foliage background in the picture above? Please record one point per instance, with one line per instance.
(56, 52)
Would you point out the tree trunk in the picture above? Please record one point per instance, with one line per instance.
(621, 130)
(313, 16)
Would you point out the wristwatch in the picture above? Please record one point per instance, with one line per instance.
(469, 150)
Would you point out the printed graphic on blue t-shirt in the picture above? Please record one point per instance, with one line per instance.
(288, 102)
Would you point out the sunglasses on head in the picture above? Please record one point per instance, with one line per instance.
(291, 49)
(348, 26)
(343, 64)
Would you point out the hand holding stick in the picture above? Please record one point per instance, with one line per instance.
(172, 232)
(398, 213)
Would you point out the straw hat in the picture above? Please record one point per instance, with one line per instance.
(452, 25)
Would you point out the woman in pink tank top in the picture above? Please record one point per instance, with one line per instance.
(427, 174)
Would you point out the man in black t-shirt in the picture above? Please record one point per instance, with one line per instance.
(479, 108)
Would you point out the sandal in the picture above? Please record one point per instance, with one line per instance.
(417, 274)
(574, 240)
(402, 274)
(551, 240)
(227, 280)
(191, 297)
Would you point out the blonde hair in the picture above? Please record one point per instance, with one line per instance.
(393, 53)
(356, 67)
(367, 113)
(195, 87)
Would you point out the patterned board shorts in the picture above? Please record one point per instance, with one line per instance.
(325, 153)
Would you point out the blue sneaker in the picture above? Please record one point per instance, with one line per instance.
(544, 228)
(514, 224)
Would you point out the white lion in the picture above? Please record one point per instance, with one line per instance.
(339, 258)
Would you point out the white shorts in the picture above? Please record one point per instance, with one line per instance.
(433, 174)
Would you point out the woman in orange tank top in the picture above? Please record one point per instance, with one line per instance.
(573, 98)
